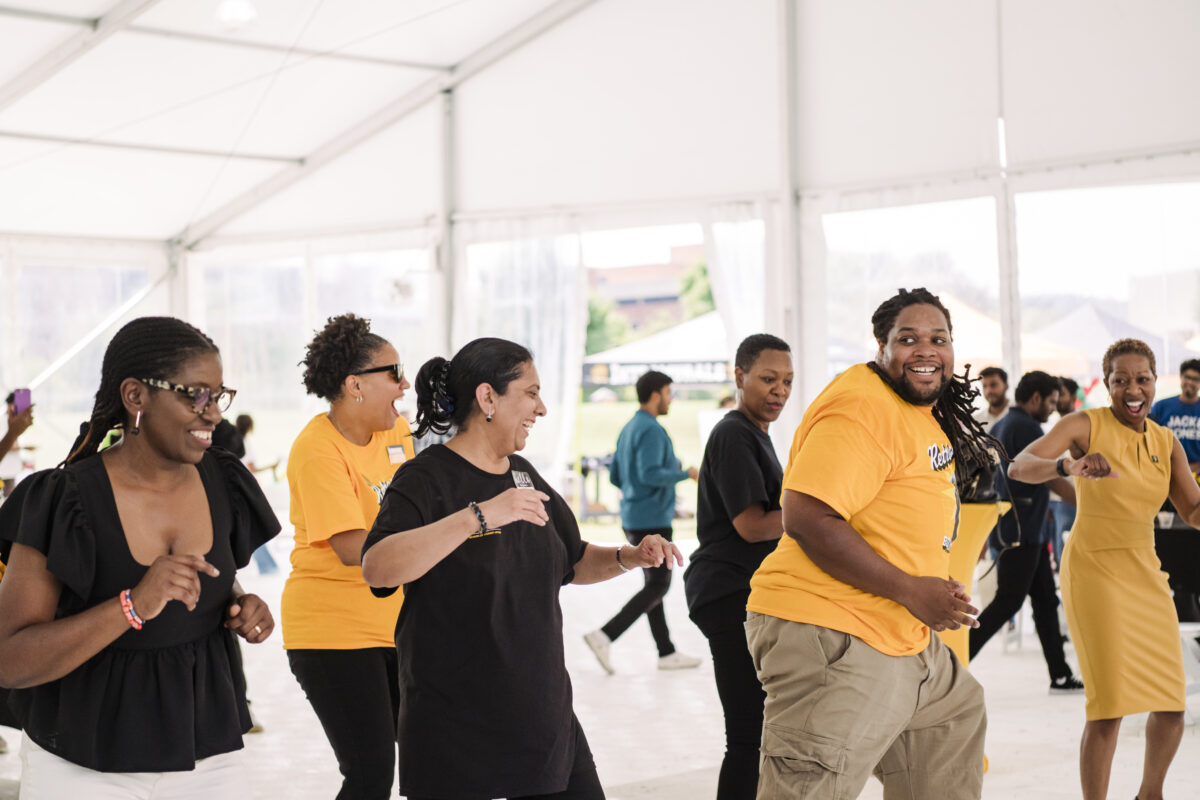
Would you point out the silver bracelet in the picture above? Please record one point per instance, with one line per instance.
(621, 563)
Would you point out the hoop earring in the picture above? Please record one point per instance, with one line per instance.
(137, 424)
(358, 399)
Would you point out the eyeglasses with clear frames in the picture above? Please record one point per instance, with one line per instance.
(202, 397)
(397, 371)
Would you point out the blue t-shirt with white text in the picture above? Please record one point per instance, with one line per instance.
(1184, 421)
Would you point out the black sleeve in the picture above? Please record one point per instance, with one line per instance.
(254, 522)
(736, 472)
(404, 508)
(46, 513)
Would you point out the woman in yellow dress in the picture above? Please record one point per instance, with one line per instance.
(1118, 604)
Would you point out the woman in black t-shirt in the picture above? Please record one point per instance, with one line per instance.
(738, 522)
(482, 545)
(119, 605)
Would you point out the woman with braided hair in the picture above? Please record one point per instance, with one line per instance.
(119, 605)
(482, 545)
(337, 636)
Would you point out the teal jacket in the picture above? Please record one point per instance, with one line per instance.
(646, 470)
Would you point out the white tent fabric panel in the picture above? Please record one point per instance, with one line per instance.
(895, 90)
(87, 191)
(24, 41)
(430, 31)
(1094, 78)
(628, 101)
(393, 178)
(153, 90)
(90, 9)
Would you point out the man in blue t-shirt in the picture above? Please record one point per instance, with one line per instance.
(646, 470)
(1023, 566)
(1182, 413)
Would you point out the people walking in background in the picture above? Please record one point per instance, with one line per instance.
(1023, 564)
(338, 636)
(738, 523)
(994, 385)
(646, 470)
(482, 546)
(120, 601)
(1062, 513)
(841, 612)
(1118, 603)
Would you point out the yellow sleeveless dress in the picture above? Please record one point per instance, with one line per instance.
(1119, 608)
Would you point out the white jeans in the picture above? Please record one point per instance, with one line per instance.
(45, 776)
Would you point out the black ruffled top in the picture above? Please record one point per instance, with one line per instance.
(158, 699)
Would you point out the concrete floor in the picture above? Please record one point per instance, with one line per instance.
(659, 735)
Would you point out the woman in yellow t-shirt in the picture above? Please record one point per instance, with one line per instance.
(337, 634)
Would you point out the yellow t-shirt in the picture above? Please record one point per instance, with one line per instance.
(886, 466)
(337, 486)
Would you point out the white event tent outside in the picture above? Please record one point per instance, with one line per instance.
(433, 163)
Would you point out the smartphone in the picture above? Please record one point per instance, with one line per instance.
(21, 400)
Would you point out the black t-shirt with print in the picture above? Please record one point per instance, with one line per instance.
(739, 470)
(485, 699)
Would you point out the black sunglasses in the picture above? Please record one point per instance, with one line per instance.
(397, 371)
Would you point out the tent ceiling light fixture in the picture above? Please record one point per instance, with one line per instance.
(236, 14)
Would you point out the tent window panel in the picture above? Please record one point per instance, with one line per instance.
(949, 248)
(1097, 265)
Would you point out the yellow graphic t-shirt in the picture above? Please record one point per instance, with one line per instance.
(337, 486)
(886, 466)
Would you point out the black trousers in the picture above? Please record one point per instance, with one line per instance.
(742, 696)
(356, 694)
(1025, 571)
(582, 786)
(648, 601)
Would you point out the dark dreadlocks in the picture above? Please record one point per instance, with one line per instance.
(147, 347)
(952, 410)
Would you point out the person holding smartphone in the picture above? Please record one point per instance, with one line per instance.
(20, 419)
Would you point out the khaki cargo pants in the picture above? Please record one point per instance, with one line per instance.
(837, 710)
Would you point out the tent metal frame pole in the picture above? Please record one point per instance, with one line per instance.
(1006, 228)
(447, 250)
(72, 50)
(384, 118)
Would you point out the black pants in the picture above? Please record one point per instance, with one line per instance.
(648, 601)
(356, 695)
(1022, 571)
(583, 786)
(742, 696)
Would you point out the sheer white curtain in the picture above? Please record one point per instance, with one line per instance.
(522, 280)
(735, 241)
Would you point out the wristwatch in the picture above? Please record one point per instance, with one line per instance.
(1060, 468)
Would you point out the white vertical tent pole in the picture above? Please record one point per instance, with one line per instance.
(178, 285)
(1006, 230)
(447, 262)
(801, 279)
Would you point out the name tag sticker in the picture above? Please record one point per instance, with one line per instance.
(396, 454)
(522, 479)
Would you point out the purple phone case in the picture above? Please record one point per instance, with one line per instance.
(21, 400)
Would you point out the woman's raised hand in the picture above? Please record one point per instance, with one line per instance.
(171, 577)
(512, 505)
(653, 551)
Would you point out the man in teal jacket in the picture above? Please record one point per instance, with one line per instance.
(646, 470)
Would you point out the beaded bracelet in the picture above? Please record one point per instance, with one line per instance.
(130, 615)
(621, 563)
(478, 515)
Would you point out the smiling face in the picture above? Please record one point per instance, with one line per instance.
(918, 355)
(170, 424)
(379, 391)
(765, 388)
(1189, 386)
(1130, 384)
(516, 411)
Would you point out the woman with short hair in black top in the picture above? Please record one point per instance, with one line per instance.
(119, 605)
(738, 522)
(482, 545)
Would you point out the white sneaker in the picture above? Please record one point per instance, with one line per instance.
(678, 660)
(600, 644)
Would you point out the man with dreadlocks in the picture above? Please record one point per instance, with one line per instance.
(841, 614)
